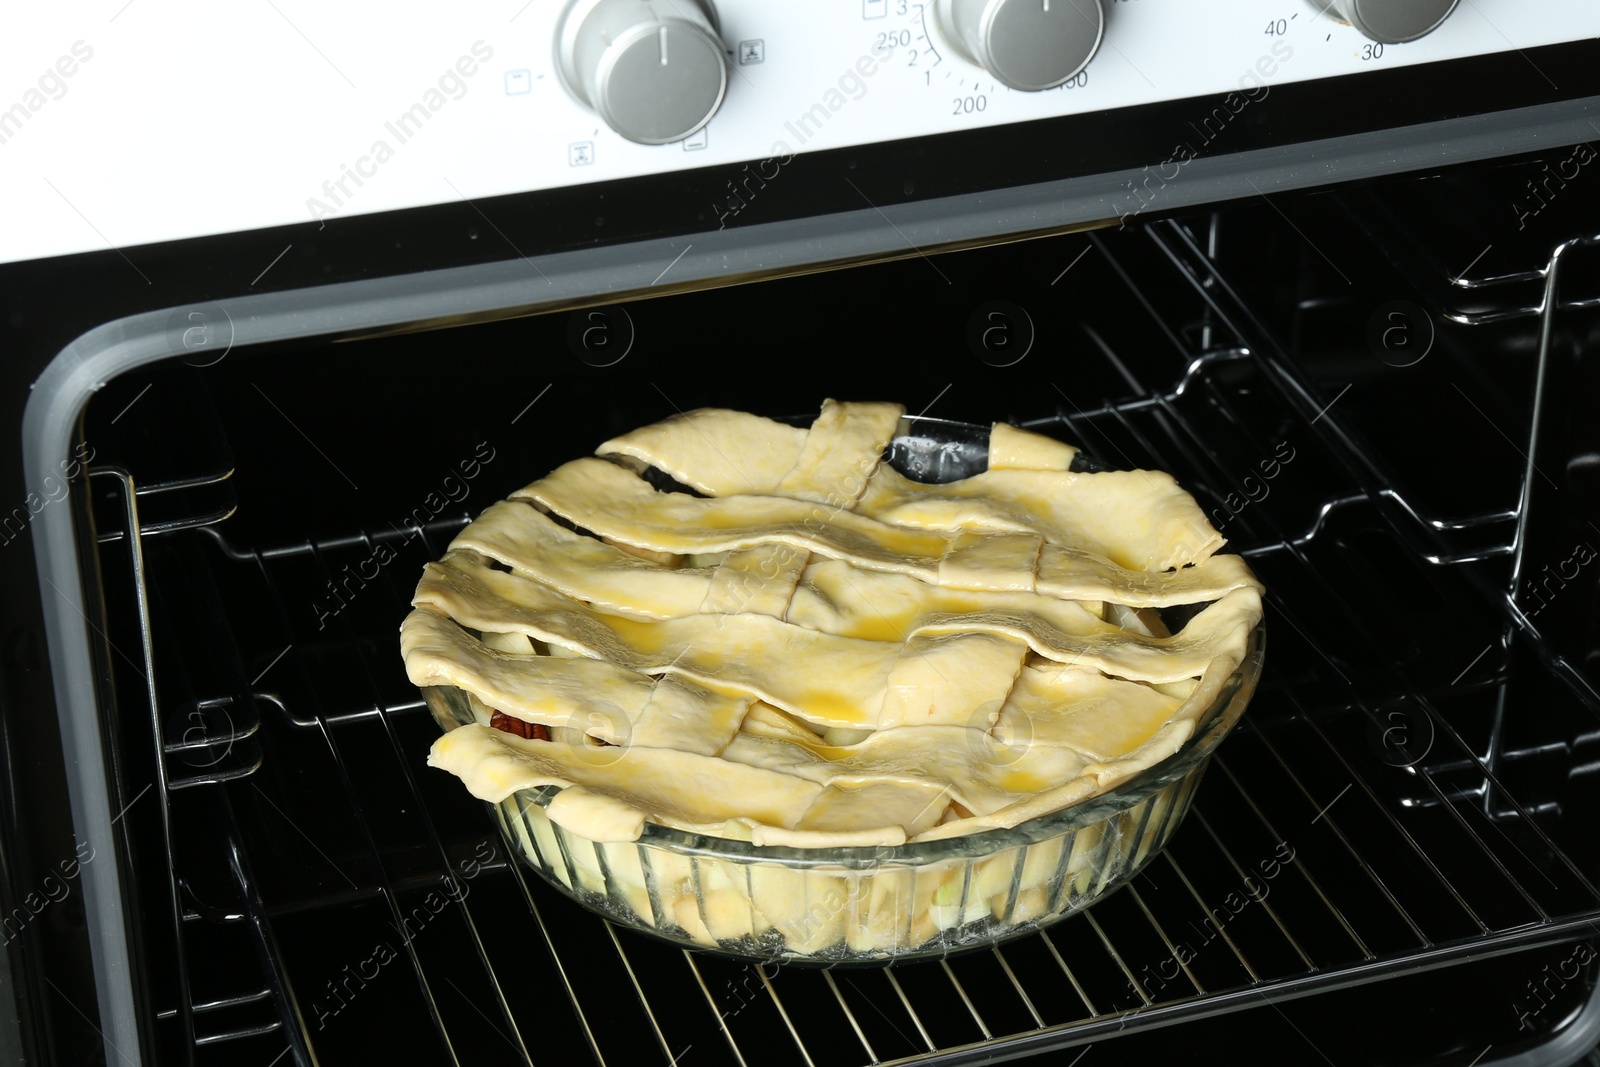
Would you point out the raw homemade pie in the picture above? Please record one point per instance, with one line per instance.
(743, 629)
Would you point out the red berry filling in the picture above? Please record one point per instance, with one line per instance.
(510, 724)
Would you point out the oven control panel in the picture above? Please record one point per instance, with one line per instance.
(149, 122)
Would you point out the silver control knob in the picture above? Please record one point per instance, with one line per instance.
(1026, 44)
(654, 70)
(1390, 21)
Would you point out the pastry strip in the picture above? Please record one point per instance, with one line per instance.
(540, 689)
(1100, 776)
(531, 543)
(1139, 520)
(524, 539)
(760, 656)
(722, 452)
(1011, 448)
(1218, 628)
(612, 703)
(760, 581)
(716, 451)
(957, 680)
(1103, 718)
(908, 806)
(494, 764)
(838, 598)
(983, 773)
(775, 661)
(998, 562)
(607, 499)
(841, 452)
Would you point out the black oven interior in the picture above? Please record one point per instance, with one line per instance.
(1350, 398)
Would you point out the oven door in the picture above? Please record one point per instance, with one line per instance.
(245, 759)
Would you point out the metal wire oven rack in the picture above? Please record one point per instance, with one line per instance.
(299, 829)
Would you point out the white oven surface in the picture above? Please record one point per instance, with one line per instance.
(126, 122)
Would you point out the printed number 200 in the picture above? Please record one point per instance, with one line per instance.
(966, 105)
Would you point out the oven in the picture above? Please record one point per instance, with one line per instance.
(267, 349)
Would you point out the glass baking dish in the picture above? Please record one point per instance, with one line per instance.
(877, 904)
(871, 905)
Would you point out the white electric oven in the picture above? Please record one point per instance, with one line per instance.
(276, 278)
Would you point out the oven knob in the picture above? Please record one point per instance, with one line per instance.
(1390, 21)
(1026, 44)
(654, 70)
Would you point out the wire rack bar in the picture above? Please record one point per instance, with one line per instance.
(1533, 824)
(711, 1003)
(1224, 402)
(185, 995)
(1371, 474)
(1172, 950)
(354, 797)
(291, 1020)
(1272, 912)
(1111, 949)
(561, 970)
(1300, 865)
(1422, 856)
(783, 1013)
(872, 1056)
(1027, 1001)
(922, 1031)
(432, 832)
(633, 979)
(1221, 929)
(220, 1003)
(1333, 825)
(983, 1027)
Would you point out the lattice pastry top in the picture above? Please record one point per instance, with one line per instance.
(811, 649)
